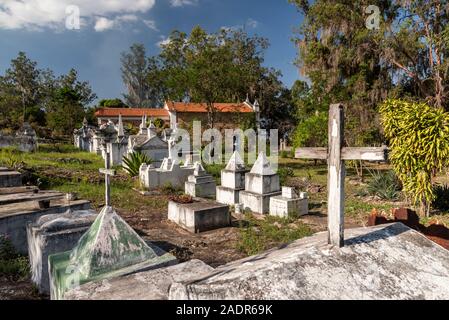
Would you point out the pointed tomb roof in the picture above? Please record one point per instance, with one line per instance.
(236, 163)
(262, 166)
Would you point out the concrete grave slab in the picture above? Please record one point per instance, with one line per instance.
(382, 262)
(199, 216)
(146, 285)
(52, 234)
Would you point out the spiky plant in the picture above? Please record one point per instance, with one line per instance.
(133, 162)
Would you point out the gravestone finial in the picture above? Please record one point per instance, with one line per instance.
(120, 129)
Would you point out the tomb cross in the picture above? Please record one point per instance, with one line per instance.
(336, 155)
(108, 172)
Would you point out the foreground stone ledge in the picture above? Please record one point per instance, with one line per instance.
(15, 217)
(382, 262)
(148, 285)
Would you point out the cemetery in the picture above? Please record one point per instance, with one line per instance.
(214, 177)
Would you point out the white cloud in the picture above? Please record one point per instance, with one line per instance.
(103, 24)
(40, 14)
(163, 41)
(251, 23)
(151, 24)
(181, 3)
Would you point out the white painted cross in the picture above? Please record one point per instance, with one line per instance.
(108, 172)
(335, 155)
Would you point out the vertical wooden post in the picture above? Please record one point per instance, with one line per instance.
(336, 176)
(107, 180)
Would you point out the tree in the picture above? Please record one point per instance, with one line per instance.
(225, 66)
(135, 75)
(67, 105)
(112, 103)
(23, 78)
(342, 59)
(66, 111)
(416, 49)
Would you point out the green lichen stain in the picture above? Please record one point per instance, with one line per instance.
(109, 248)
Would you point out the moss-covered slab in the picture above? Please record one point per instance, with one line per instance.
(110, 248)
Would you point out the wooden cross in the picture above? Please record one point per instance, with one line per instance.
(108, 172)
(335, 155)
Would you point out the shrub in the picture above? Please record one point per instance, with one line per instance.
(441, 201)
(419, 141)
(385, 185)
(159, 123)
(11, 263)
(133, 162)
(284, 173)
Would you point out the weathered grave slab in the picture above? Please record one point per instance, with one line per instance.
(201, 215)
(147, 285)
(289, 204)
(10, 179)
(200, 184)
(110, 248)
(382, 262)
(53, 234)
(15, 217)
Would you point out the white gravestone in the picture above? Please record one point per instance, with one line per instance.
(289, 204)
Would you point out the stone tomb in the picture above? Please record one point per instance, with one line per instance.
(10, 178)
(200, 184)
(146, 285)
(376, 263)
(51, 234)
(232, 180)
(200, 215)
(261, 183)
(22, 205)
(170, 173)
(110, 248)
(289, 204)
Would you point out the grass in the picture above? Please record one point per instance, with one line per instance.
(12, 265)
(257, 235)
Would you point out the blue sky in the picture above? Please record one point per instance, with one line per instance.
(109, 27)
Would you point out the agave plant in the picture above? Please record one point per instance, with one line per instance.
(133, 162)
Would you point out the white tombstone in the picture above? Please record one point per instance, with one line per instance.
(289, 204)
(261, 183)
(200, 184)
(232, 180)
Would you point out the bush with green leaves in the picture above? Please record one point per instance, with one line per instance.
(418, 136)
(312, 131)
(133, 161)
(285, 173)
(384, 185)
(12, 264)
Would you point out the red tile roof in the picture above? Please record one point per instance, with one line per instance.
(202, 107)
(131, 112)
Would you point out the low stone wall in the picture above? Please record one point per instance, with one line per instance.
(23, 143)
